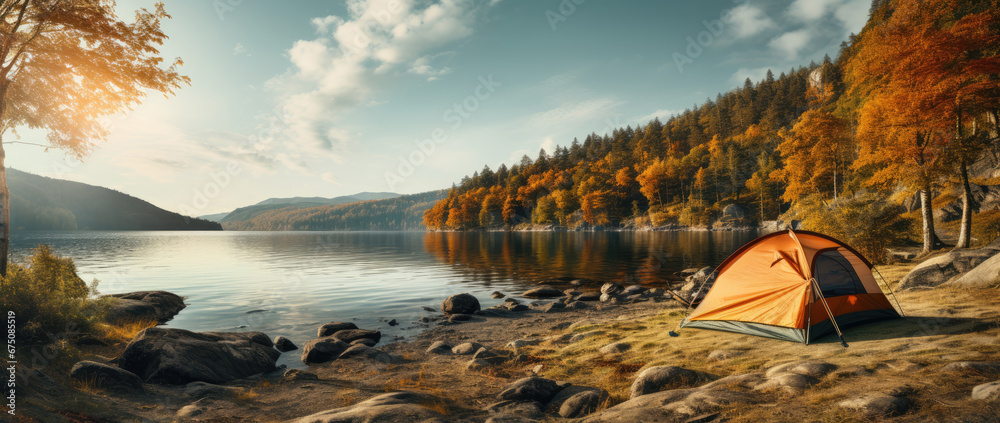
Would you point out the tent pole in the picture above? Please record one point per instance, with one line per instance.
(687, 310)
(830, 313)
(899, 306)
(809, 315)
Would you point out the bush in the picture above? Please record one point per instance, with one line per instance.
(49, 298)
(866, 222)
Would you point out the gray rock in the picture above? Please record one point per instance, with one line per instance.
(476, 365)
(733, 216)
(544, 292)
(517, 307)
(158, 306)
(588, 296)
(334, 327)
(466, 348)
(364, 341)
(403, 406)
(489, 356)
(606, 298)
(633, 290)
(322, 350)
(615, 348)
(392, 322)
(577, 401)
(577, 305)
(807, 368)
(515, 409)
(659, 378)
(459, 318)
(521, 343)
(203, 389)
(723, 355)
(497, 295)
(672, 405)
(941, 269)
(792, 383)
(460, 304)
(296, 374)
(612, 289)
(351, 335)
(530, 389)
(105, 377)
(284, 344)
(985, 275)
(189, 411)
(364, 351)
(439, 347)
(743, 381)
(987, 391)
(876, 405)
(177, 356)
(553, 307)
(980, 367)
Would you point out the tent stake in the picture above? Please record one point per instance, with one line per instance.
(898, 305)
(830, 313)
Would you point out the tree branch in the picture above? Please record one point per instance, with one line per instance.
(30, 143)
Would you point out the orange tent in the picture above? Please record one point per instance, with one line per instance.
(796, 286)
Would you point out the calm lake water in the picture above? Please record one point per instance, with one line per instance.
(288, 283)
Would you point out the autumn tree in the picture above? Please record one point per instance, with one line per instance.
(66, 64)
(816, 152)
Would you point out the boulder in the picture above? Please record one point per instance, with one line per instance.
(792, 383)
(284, 344)
(334, 327)
(577, 401)
(364, 351)
(476, 365)
(296, 374)
(402, 406)
(158, 306)
(659, 378)
(439, 347)
(612, 289)
(350, 335)
(521, 343)
(466, 348)
(987, 391)
(941, 269)
(364, 341)
(588, 296)
(106, 377)
(733, 216)
(489, 356)
(615, 348)
(543, 292)
(530, 389)
(177, 356)
(808, 368)
(519, 411)
(552, 307)
(980, 367)
(322, 350)
(460, 304)
(497, 295)
(189, 411)
(672, 405)
(985, 275)
(633, 290)
(459, 318)
(877, 405)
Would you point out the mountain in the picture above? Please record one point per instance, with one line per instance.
(41, 203)
(400, 213)
(217, 217)
(249, 212)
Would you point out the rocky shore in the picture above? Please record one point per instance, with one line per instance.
(574, 350)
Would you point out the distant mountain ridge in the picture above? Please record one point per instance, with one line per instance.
(249, 212)
(399, 213)
(41, 203)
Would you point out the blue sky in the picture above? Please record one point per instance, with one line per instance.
(327, 98)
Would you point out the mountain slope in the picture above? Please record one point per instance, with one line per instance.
(40, 203)
(249, 212)
(391, 214)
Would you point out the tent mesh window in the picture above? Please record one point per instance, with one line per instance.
(836, 275)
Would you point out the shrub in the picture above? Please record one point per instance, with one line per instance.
(866, 222)
(49, 298)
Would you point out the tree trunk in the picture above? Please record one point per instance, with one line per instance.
(927, 212)
(965, 234)
(4, 210)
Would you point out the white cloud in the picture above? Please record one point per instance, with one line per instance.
(353, 56)
(663, 114)
(575, 112)
(549, 145)
(853, 15)
(328, 177)
(741, 75)
(747, 21)
(791, 43)
(239, 50)
(811, 10)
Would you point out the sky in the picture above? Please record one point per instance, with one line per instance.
(329, 98)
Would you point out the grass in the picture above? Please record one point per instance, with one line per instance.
(944, 325)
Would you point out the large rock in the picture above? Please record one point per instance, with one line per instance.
(544, 292)
(466, 348)
(941, 269)
(105, 377)
(334, 327)
(672, 405)
(979, 367)
(177, 356)
(986, 275)
(460, 304)
(530, 389)
(877, 405)
(322, 350)
(612, 289)
(158, 306)
(807, 368)
(366, 352)
(659, 378)
(733, 216)
(351, 335)
(577, 401)
(284, 344)
(403, 406)
(987, 391)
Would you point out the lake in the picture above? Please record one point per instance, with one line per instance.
(289, 283)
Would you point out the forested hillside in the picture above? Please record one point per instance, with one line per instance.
(906, 106)
(249, 212)
(402, 213)
(40, 203)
